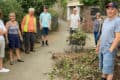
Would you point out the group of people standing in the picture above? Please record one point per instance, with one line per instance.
(107, 37)
(106, 33)
(14, 34)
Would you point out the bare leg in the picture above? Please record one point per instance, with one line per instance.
(11, 55)
(18, 53)
(110, 77)
(43, 38)
(46, 38)
(1, 63)
(104, 75)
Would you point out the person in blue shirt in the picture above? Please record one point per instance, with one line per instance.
(109, 41)
(45, 25)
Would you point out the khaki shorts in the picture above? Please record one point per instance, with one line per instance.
(2, 48)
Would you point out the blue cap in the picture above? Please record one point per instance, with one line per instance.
(112, 4)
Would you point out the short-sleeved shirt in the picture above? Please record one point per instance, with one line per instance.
(97, 25)
(45, 19)
(74, 21)
(110, 27)
(2, 27)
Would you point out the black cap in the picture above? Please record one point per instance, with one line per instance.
(112, 4)
(45, 7)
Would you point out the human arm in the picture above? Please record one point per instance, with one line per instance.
(23, 23)
(40, 21)
(2, 29)
(117, 37)
(19, 32)
(6, 35)
(50, 21)
(78, 20)
(115, 42)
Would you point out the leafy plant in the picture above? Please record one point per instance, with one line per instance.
(84, 67)
(8, 6)
(78, 38)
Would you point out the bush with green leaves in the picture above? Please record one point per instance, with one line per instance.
(84, 67)
(78, 38)
(54, 15)
(8, 6)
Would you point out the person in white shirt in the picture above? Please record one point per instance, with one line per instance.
(74, 21)
(2, 44)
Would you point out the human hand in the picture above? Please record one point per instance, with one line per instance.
(50, 28)
(111, 50)
(21, 39)
(41, 28)
(7, 41)
(1, 31)
(97, 49)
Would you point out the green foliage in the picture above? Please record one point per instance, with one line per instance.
(89, 2)
(8, 6)
(84, 67)
(78, 38)
(37, 4)
(54, 15)
(63, 3)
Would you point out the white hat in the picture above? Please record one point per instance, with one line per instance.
(31, 10)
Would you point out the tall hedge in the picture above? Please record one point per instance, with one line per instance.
(8, 6)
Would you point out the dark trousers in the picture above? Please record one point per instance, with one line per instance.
(29, 40)
(96, 37)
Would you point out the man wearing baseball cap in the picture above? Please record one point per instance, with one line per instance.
(109, 40)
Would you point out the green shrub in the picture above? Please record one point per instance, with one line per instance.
(54, 14)
(8, 6)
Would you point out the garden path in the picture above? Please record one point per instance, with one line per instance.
(38, 63)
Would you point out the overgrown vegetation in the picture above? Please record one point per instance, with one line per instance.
(83, 66)
(77, 40)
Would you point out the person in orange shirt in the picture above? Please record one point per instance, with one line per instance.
(28, 26)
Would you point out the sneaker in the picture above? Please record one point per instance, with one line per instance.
(4, 70)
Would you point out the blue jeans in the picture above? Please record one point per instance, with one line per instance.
(96, 37)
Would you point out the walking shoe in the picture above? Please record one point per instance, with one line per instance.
(27, 52)
(11, 63)
(47, 43)
(42, 43)
(4, 70)
(19, 60)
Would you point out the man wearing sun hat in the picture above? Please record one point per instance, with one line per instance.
(109, 40)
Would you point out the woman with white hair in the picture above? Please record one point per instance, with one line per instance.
(29, 28)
